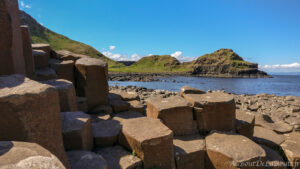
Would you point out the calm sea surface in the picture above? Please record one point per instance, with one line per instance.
(281, 85)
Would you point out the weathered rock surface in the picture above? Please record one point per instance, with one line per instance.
(291, 148)
(41, 59)
(67, 95)
(273, 159)
(217, 111)
(151, 140)
(30, 112)
(11, 55)
(122, 117)
(189, 152)
(92, 81)
(27, 52)
(232, 151)
(175, 112)
(118, 158)
(44, 74)
(67, 55)
(267, 122)
(106, 132)
(63, 69)
(189, 90)
(126, 96)
(77, 131)
(119, 105)
(137, 106)
(42, 47)
(267, 137)
(86, 160)
(22, 155)
(245, 123)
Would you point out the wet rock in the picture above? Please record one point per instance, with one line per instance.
(106, 132)
(22, 155)
(174, 112)
(151, 140)
(189, 152)
(86, 160)
(118, 158)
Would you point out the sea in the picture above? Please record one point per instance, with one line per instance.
(280, 85)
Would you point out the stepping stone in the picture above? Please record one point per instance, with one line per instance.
(45, 74)
(119, 105)
(291, 148)
(122, 117)
(43, 47)
(273, 159)
(245, 123)
(126, 96)
(11, 55)
(174, 112)
(77, 131)
(106, 132)
(226, 150)
(27, 52)
(189, 152)
(63, 69)
(137, 106)
(107, 109)
(82, 105)
(67, 55)
(118, 158)
(189, 90)
(217, 111)
(41, 59)
(23, 155)
(30, 112)
(86, 160)
(91, 78)
(151, 140)
(267, 137)
(67, 95)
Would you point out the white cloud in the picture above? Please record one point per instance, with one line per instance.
(23, 5)
(112, 48)
(281, 67)
(178, 55)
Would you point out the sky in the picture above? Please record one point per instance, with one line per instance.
(263, 31)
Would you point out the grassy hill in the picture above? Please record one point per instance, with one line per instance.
(40, 34)
(155, 64)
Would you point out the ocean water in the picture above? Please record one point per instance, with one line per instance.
(281, 85)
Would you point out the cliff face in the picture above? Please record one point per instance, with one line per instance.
(225, 63)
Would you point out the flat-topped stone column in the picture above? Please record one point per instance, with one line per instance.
(86, 160)
(30, 112)
(11, 55)
(63, 69)
(91, 78)
(151, 140)
(41, 46)
(213, 111)
(27, 51)
(23, 155)
(41, 59)
(67, 95)
(175, 112)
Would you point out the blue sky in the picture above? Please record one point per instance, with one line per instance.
(262, 31)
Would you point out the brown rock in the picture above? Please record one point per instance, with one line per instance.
(267, 122)
(63, 69)
(244, 123)
(189, 90)
(118, 158)
(43, 47)
(30, 112)
(102, 109)
(92, 75)
(41, 59)
(27, 52)
(218, 111)
(11, 55)
(137, 106)
(119, 105)
(67, 95)
(273, 159)
(67, 55)
(232, 151)
(189, 152)
(82, 105)
(291, 148)
(22, 155)
(126, 96)
(174, 112)
(77, 131)
(151, 140)
(106, 132)
(86, 160)
(44, 74)
(267, 137)
(122, 117)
